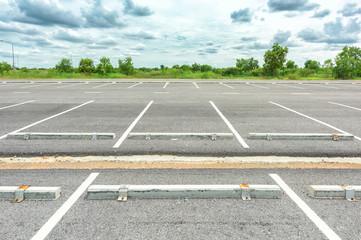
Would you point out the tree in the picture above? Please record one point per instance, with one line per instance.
(86, 65)
(348, 63)
(206, 68)
(186, 67)
(175, 66)
(196, 67)
(328, 64)
(246, 65)
(274, 59)
(291, 65)
(4, 67)
(312, 64)
(65, 65)
(104, 66)
(126, 66)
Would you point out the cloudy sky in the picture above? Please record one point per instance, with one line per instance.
(168, 32)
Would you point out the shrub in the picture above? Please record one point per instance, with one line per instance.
(64, 65)
(86, 66)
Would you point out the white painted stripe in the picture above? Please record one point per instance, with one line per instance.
(161, 92)
(103, 85)
(255, 85)
(92, 92)
(71, 85)
(235, 133)
(330, 234)
(314, 119)
(166, 85)
(301, 93)
(285, 85)
(130, 128)
(59, 214)
(359, 109)
(135, 85)
(56, 115)
(20, 92)
(195, 84)
(226, 85)
(323, 86)
(18, 104)
(14, 84)
(231, 93)
(40, 85)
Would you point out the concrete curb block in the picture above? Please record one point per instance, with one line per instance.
(300, 136)
(32, 193)
(75, 136)
(180, 136)
(333, 191)
(111, 192)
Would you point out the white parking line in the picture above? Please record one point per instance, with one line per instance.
(314, 119)
(226, 85)
(318, 85)
(235, 133)
(195, 84)
(330, 234)
(59, 214)
(93, 92)
(301, 93)
(14, 84)
(126, 133)
(18, 104)
(99, 86)
(166, 85)
(56, 115)
(40, 85)
(230, 93)
(20, 92)
(255, 85)
(71, 85)
(161, 92)
(135, 85)
(286, 85)
(359, 109)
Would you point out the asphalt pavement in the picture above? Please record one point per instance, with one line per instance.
(181, 218)
(110, 106)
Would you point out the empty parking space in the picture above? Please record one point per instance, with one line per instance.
(23, 220)
(183, 218)
(184, 107)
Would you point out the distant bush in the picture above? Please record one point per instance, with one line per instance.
(65, 65)
(86, 65)
(306, 72)
(348, 63)
(126, 66)
(257, 72)
(4, 67)
(231, 71)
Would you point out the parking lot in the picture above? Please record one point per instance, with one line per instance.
(172, 120)
(180, 218)
(186, 107)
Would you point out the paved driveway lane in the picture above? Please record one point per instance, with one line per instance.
(185, 219)
(342, 216)
(22, 220)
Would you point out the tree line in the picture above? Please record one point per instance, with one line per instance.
(346, 65)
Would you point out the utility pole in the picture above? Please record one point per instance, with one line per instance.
(12, 46)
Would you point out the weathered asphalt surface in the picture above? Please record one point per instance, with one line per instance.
(180, 218)
(182, 107)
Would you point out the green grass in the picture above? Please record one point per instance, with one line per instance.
(161, 74)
